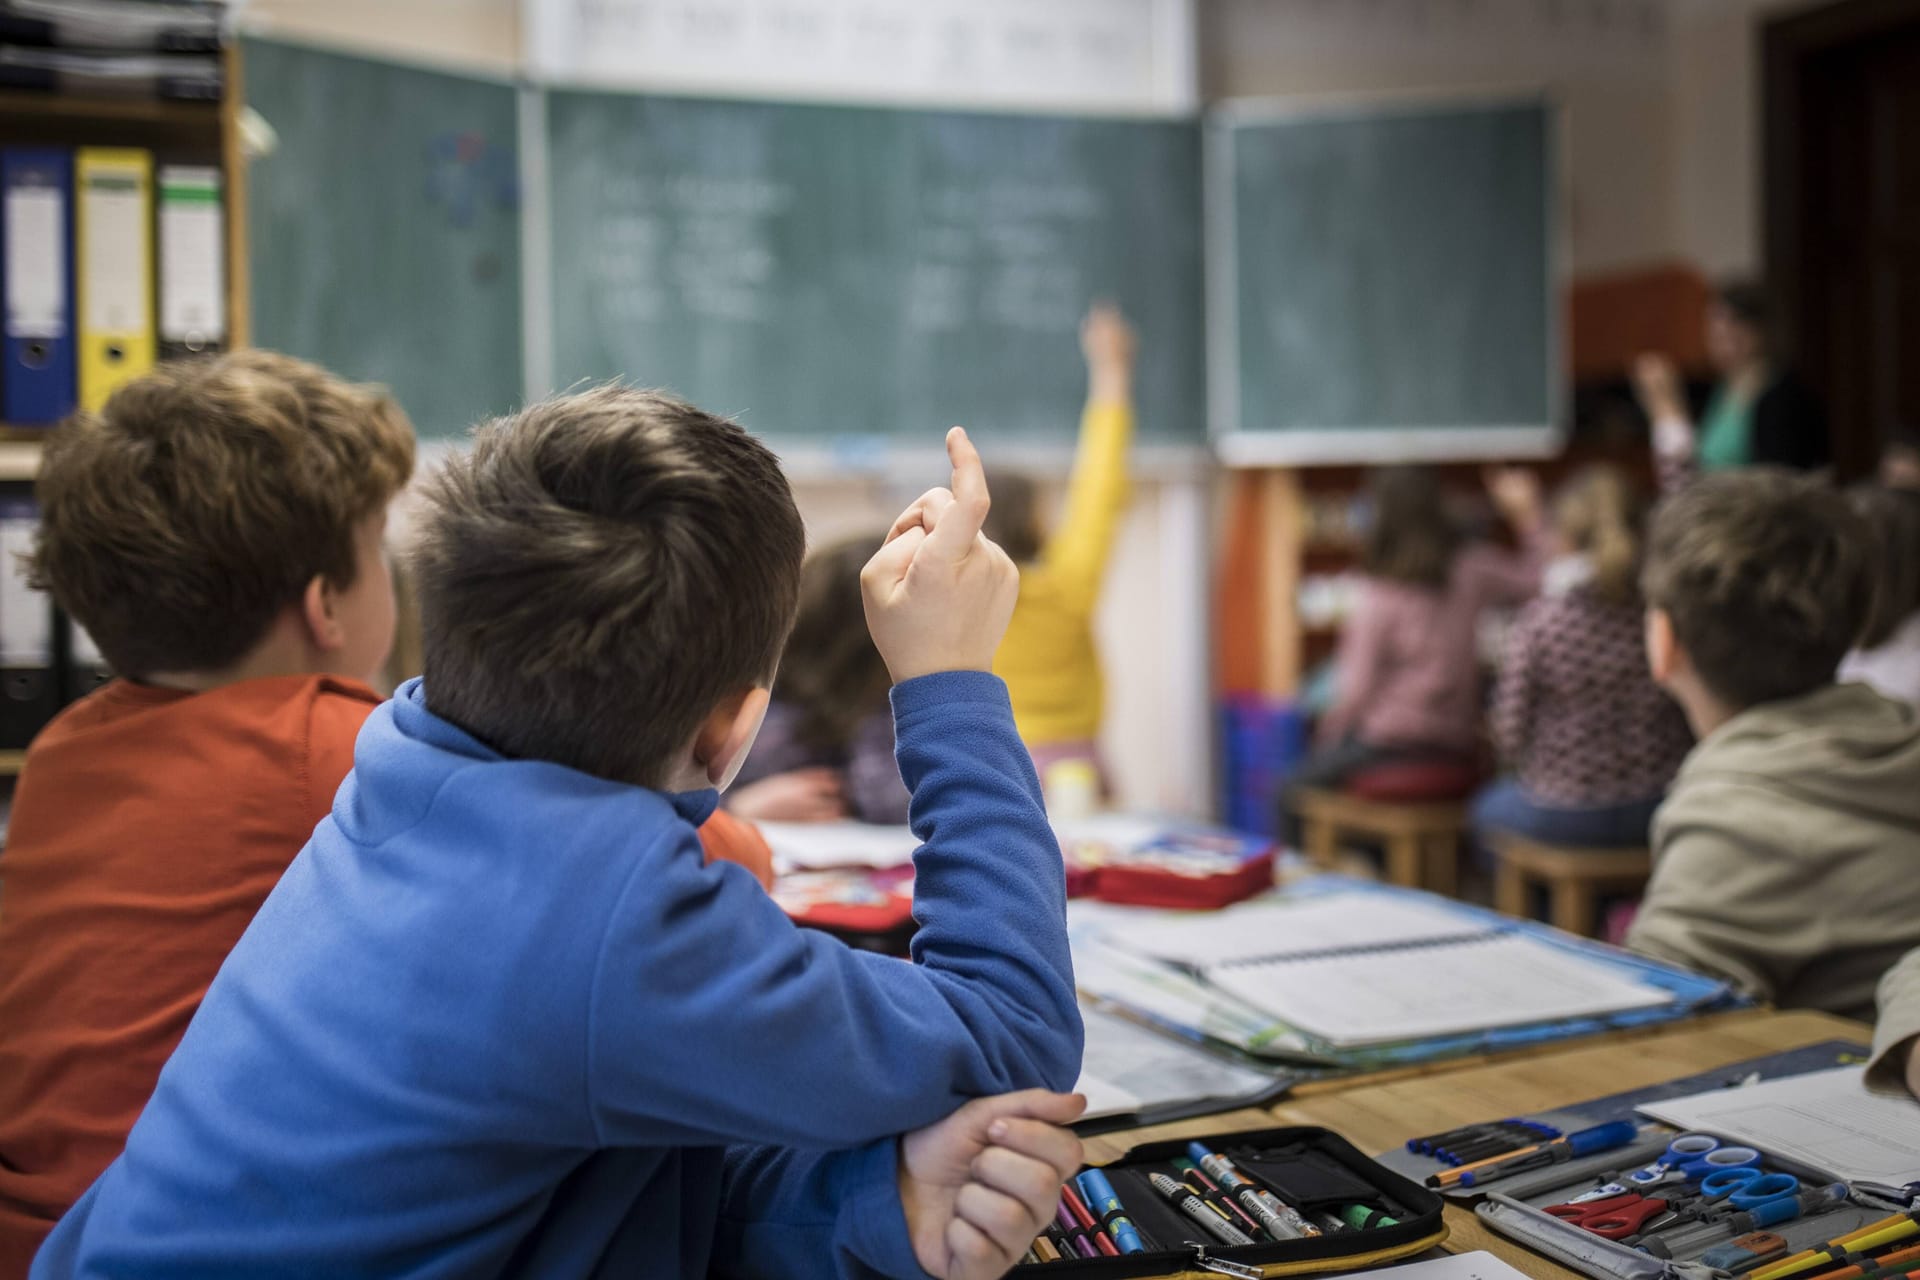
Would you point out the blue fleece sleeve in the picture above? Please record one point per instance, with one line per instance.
(806, 1214)
(714, 1019)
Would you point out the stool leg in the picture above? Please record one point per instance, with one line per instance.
(1573, 907)
(1443, 864)
(1322, 843)
(1404, 859)
(1510, 890)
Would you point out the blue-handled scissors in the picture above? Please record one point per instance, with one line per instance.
(1692, 1156)
(1723, 1193)
(1748, 1188)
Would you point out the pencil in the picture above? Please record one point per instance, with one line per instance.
(1876, 1267)
(1871, 1236)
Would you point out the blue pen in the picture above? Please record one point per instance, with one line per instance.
(1099, 1195)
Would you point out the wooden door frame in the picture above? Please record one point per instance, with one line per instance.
(1787, 45)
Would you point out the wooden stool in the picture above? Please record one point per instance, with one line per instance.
(1573, 878)
(1422, 840)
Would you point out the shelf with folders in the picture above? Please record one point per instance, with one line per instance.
(164, 175)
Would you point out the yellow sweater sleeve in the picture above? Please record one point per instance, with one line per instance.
(1075, 557)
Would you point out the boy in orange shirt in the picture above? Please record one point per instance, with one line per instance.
(217, 528)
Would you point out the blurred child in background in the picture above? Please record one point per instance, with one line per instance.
(1590, 740)
(1408, 668)
(1888, 655)
(825, 752)
(1048, 659)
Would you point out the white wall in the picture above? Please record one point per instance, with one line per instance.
(1716, 73)
(1604, 60)
(482, 35)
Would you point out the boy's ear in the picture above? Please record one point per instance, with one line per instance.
(721, 746)
(320, 612)
(1663, 649)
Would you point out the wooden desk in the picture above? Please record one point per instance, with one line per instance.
(1379, 1114)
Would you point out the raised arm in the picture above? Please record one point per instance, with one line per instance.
(1656, 384)
(1082, 540)
(836, 1047)
(1492, 575)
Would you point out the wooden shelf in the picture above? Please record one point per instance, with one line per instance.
(61, 106)
(11, 763)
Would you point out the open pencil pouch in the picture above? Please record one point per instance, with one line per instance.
(1366, 1214)
(1517, 1209)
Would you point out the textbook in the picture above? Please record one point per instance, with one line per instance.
(1338, 975)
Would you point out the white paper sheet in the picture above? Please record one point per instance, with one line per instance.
(1828, 1120)
(1455, 1266)
(1164, 994)
(1273, 927)
(1127, 1067)
(1381, 997)
(819, 846)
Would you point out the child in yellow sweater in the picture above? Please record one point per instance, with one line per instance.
(1048, 659)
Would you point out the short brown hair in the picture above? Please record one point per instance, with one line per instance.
(1013, 523)
(598, 573)
(1411, 536)
(1894, 517)
(1768, 578)
(832, 673)
(204, 496)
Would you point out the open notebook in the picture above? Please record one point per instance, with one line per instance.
(1420, 990)
(1353, 970)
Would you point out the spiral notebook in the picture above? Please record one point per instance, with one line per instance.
(1381, 994)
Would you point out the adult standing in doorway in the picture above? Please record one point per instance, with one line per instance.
(1760, 413)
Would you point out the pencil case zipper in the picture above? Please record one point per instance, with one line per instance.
(1575, 1247)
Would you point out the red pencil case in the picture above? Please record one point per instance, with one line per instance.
(1194, 870)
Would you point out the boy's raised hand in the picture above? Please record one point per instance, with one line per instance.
(978, 1186)
(938, 594)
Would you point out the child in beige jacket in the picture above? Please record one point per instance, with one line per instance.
(1787, 854)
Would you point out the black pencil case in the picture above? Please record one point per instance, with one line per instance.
(1313, 1170)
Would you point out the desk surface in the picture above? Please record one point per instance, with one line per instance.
(1378, 1113)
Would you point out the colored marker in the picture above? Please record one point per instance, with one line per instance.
(1361, 1218)
(1098, 1193)
(1082, 1216)
(1280, 1219)
(1199, 1211)
(1188, 1169)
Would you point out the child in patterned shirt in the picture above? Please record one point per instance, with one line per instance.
(1589, 740)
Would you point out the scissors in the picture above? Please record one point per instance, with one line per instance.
(1617, 1216)
(1724, 1193)
(1630, 1213)
(1690, 1157)
(1692, 1165)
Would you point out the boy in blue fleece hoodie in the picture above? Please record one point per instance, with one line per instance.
(501, 1018)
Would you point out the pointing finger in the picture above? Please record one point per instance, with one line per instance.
(957, 526)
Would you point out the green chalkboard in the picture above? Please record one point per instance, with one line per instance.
(839, 273)
(1386, 279)
(384, 229)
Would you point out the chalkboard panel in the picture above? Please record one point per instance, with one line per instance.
(385, 229)
(828, 273)
(1385, 282)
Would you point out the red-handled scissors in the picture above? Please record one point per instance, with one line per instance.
(1616, 1217)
